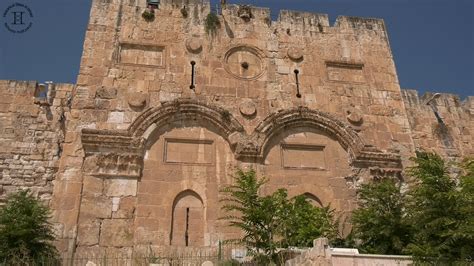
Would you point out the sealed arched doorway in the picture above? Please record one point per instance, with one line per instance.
(187, 222)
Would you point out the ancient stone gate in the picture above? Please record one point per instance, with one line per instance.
(164, 111)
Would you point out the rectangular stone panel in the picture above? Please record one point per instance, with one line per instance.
(189, 151)
(345, 72)
(303, 156)
(141, 55)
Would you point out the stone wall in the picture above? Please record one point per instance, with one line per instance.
(143, 144)
(452, 136)
(31, 136)
(138, 104)
(323, 255)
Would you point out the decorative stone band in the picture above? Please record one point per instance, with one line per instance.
(379, 173)
(120, 153)
(112, 153)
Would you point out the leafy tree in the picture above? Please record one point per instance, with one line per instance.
(273, 221)
(434, 221)
(253, 214)
(25, 233)
(438, 213)
(303, 222)
(379, 224)
(464, 234)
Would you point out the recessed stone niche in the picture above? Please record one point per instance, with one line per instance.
(141, 55)
(303, 156)
(345, 72)
(189, 151)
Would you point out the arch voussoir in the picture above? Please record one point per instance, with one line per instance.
(361, 155)
(108, 150)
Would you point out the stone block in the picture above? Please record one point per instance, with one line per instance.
(88, 233)
(126, 208)
(93, 186)
(116, 117)
(116, 233)
(120, 187)
(96, 207)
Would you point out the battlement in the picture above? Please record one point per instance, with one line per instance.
(413, 99)
(296, 23)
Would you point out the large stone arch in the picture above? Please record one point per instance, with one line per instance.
(121, 152)
(305, 117)
(106, 150)
(185, 109)
(361, 155)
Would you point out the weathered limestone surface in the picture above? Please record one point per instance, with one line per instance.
(135, 155)
(323, 255)
(31, 136)
(453, 138)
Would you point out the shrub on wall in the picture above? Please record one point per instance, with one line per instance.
(211, 23)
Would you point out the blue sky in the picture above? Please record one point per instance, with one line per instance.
(432, 40)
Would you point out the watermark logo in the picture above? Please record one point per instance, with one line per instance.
(18, 18)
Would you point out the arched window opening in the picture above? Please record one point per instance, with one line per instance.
(315, 201)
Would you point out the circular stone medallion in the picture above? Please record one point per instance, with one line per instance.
(295, 53)
(194, 45)
(244, 62)
(137, 100)
(248, 108)
(354, 116)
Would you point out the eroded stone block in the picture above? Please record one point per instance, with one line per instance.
(116, 233)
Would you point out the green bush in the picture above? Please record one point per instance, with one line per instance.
(303, 223)
(441, 211)
(433, 221)
(379, 222)
(25, 233)
(273, 221)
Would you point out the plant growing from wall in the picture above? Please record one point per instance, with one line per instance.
(25, 233)
(212, 23)
(148, 15)
(226, 115)
(184, 11)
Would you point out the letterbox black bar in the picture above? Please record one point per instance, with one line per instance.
(193, 64)
(297, 84)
